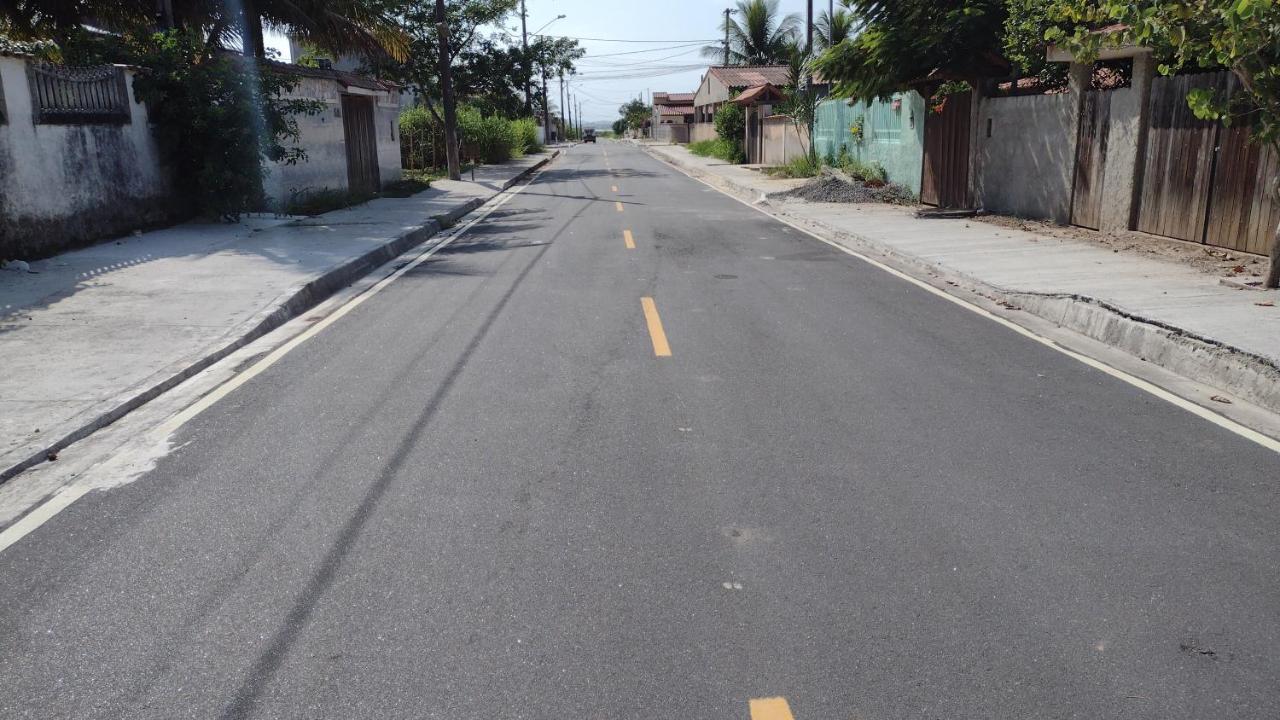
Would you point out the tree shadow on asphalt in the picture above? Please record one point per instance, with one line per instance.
(264, 669)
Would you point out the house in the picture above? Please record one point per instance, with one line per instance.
(722, 83)
(672, 108)
(353, 144)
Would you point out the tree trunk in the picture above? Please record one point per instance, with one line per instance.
(251, 31)
(446, 95)
(1273, 272)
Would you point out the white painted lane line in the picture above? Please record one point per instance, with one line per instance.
(1146, 386)
(64, 498)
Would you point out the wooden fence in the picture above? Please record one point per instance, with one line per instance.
(87, 95)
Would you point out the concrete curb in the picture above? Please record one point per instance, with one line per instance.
(273, 316)
(1246, 375)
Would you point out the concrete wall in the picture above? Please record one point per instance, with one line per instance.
(702, 131)
(68, 185)
(892, 137)
(1024, 157)
(781, 141)
(322, 137)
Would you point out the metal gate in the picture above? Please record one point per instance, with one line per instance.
(362, 144)
(1091, 156)
(944, 180)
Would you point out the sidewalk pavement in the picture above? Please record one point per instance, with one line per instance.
(1161, 311)
(95, 333)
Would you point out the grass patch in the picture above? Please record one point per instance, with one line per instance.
(718, 148)
(801, 167)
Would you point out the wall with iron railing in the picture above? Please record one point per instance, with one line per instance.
(78, 161)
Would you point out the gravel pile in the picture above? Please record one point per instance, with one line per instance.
(833, 189)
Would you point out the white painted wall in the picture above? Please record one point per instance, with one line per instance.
(62, 185)
(321, 136)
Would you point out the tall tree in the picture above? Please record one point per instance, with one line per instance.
(903, 42)
(445, 59)
(834, 28)
(760, 37)
(1240, 35)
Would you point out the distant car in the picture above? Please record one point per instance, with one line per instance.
(589, 136)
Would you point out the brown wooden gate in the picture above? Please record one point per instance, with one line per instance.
(1091, 155)
(944, 180)
(1179, 163)
(362, 144)
(1243, 211)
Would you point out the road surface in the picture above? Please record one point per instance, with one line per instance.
(630, 449)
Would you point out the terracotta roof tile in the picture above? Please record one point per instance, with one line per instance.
(742, 76)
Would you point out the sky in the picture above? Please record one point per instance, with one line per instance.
(607, 78)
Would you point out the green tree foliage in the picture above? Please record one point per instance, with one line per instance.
(801, 102)
(365, 27)
(636, 114)
(1241, 35)
(834, 29)
(906, 42)
(217, 117)
(759, 37)
(731, 122)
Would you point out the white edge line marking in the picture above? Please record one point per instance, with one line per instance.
(68, 495)
(1204, 413)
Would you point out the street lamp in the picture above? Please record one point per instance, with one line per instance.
(544, 27)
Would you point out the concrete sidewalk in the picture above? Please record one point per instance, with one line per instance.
(93, 334)
(1161, 311)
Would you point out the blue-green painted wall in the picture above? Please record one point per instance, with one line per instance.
(892, 138)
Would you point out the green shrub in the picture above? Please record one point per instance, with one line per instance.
(867, 172)
(421, 140)
(800, 167)
(526, 130)
(490, 139)
(731, 123)
(718, 148)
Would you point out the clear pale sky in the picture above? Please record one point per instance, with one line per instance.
(607, 79)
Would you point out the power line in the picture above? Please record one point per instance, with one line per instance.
(640, 52)
(608, 64)
(677, 40)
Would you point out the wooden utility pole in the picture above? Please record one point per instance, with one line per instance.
(727, 12)
(525, 65)
(446, 94)
(546, 109)
(808, 25)
(564, 113)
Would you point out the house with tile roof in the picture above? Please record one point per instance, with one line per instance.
(722, 83)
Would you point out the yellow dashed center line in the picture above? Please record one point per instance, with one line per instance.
(774, 708)
(614, 188)
(628, 240)
(662, 349)
(617, 206)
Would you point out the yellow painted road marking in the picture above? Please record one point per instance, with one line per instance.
(656, 333)
(628, 240)
(774, 708)
(617, 206)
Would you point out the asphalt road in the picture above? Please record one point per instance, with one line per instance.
(481, 494)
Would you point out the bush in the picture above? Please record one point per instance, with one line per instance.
(718, 148)
(870, 173)
(801, 167)
(731, 123)
(527, 134)
(421, 140)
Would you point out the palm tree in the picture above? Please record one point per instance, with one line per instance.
(834, 29)
(760, 38)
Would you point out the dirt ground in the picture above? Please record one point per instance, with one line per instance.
(1242, 267)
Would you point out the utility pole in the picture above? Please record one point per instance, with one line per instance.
(546, 108)
(564, 115)
(808, 29)
(446, 94)
(524, 60)
(727, 12)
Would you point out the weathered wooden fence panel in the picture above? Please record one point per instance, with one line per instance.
(1091, 154)
(1179, 162)
(362, 146)
(945, 177)
(1243, 211)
